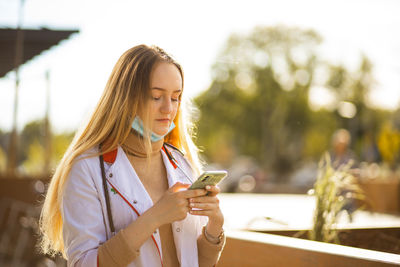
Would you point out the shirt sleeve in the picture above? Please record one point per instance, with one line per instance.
(209, 253)
(84, 229)
(117, 251)
(83, 222)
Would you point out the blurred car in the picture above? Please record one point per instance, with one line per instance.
(244, 175)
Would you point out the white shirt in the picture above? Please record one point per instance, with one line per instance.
(84, 211)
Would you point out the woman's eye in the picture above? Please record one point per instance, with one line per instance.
(173, 99)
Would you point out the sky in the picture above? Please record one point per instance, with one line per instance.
(194, 33)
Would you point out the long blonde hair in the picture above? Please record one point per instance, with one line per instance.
(126, 92)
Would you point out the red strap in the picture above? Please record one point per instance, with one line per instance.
(110, 157)
(169, 157)
(138, 214)
(127, 202)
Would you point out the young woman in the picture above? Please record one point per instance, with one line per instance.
(119, 196)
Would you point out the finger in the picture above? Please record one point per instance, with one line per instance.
(204, 206)
(193, 193)
(212, 190)
(205, 199)
(202, 212)
(183, 207)
(178, 187)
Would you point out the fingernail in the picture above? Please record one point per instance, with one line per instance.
(191, 204)
(208, 187)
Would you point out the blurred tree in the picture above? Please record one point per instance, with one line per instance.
(3, 139)
(396, 118)
(258, 101)
(3, 160)
(34, 163)
(31, 133)
(317, 137)
(60, 143)
(354, 111)
(31, 153)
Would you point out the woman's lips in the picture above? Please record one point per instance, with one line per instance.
(163, 120)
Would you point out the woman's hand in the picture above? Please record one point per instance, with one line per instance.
(208, 205)
(174, 204)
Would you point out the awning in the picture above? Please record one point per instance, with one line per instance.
(35, 42)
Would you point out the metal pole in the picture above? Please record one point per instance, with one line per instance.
(19, 54)
(47, 141)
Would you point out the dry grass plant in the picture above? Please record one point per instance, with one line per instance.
(333, 189)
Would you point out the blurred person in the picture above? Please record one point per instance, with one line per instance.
(341, 152)
(119, 196)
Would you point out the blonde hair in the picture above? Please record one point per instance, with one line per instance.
(126, 92)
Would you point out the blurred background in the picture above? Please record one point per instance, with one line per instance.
(276, 84)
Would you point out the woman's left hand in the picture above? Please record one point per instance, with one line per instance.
(209, 206)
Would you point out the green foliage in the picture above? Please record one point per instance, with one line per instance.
(35, 156)
(333, 189)
(60, 143)
(258, 102)
(35, 160)
(317, 137)
(3, 160)
(31, 151)
(32, 132)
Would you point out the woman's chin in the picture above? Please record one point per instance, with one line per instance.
(160, 132)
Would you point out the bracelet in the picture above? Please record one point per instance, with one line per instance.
(213, 239)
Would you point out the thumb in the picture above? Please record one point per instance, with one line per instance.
(178, 187)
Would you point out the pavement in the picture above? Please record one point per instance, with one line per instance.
(288, 212)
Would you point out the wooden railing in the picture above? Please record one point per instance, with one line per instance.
(245, 248)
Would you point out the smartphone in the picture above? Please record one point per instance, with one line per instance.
(208, 178)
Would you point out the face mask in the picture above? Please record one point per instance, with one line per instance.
(137, 125)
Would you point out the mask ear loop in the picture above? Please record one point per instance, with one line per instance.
(106, 195)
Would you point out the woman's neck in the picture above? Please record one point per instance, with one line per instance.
(135, 146)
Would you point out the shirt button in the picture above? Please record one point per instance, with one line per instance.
(110, 175)
(135, 202)
(178, 229)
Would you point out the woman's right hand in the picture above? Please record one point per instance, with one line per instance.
(174, 204)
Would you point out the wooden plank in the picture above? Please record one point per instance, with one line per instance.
(382, 195)
(257, 249)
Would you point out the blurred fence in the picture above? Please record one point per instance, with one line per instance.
(20, 205)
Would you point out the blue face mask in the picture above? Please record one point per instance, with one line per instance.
(137, 125)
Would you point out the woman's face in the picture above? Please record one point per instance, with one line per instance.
(166, 88)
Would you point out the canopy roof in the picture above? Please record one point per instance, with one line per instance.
(35, 42)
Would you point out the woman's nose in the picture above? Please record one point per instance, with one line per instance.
(166, 106)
